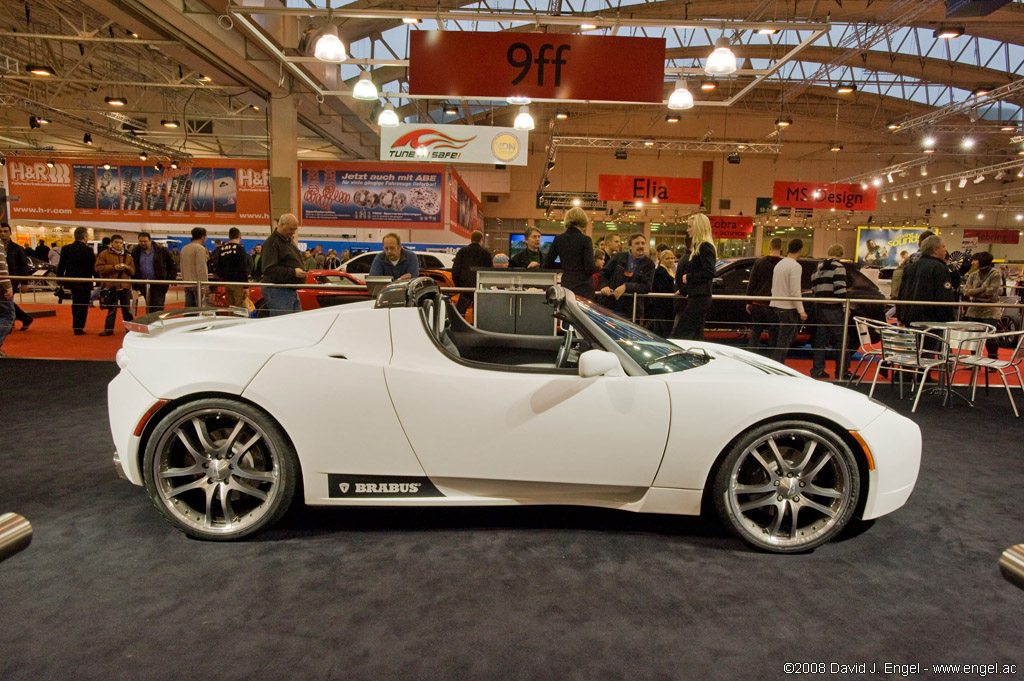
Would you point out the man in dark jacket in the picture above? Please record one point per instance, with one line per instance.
(282, 264)
(928, 280)
(760, 311)
(530, 257)
(232, 263)
(153, 261)
(17, 266)
(625, 275)
(468, 257)
(78, 260)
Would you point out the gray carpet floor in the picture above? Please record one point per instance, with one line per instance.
(107, 590)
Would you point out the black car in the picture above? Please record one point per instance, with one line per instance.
(732, 275)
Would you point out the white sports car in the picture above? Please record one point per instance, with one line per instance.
(225, 420)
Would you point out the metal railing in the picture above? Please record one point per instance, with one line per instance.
(15, 535)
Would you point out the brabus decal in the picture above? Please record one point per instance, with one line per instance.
(379, 487)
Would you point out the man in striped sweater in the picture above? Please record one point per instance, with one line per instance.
(829, 281)
(6, 304)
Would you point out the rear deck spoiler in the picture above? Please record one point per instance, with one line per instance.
(148, 323)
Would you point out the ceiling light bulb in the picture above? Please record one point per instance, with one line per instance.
(365, 89)
(410, 20)
(680, 99)
(588, 27)
(561, 115)
(87, 138)
(981, 216)
(708, 85)
(905, 194)
(767, 31)
(963, 182)
(106, 166)
(917, 192)
(1000, 175)
(968, 143)
(884, 200)
(387, 117)
(329, 47)
(167, 123)
(174, 165)
(783, 122)
(947, 32)
(924, 171)
(205, 79)
(846, 88)
(517, 100)
(1020, 216)
(863, 185)
(721, 61)
(929, 142)
(1008, 128)
(143, 156)
(979, 179)
(945, 214)
(40, 70)
(672, 118)
(524, 121)
(49, 163)
(949, 185)
(837, 147)
(935, 189)
(116, 101)
(576, 202)
(877, 182)
(893, 125)
(451, 111)
(889, 177)
(979, 91)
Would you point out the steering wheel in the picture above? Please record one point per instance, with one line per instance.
(563, 352)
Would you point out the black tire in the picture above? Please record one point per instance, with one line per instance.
(220, 469)
(787, 487)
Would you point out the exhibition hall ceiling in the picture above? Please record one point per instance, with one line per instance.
(196, 78)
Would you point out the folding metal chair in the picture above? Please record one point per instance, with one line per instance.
(904, 351)
(867, 348)
(1003, 367)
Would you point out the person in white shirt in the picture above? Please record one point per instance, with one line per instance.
(786, 284)
(194, 258)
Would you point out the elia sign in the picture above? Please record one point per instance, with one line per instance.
(454, 144)
(647, 188)
(824, 195)
(537, 65)
(731, 226)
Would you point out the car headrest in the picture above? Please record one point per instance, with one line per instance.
(408, 292)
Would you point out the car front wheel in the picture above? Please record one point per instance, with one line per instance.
(220, 469)
(788, 486)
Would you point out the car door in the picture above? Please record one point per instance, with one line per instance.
(498, 422)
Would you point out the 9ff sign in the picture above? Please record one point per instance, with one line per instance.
(536, 65)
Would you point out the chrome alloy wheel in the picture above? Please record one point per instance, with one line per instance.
(216, 471)
(789, 488)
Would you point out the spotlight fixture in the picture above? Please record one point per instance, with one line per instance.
(905, 194)
(648, 143)
(516, 100)
(947, 32)
(979, 92)
(884, 200)
(167, 123)
(143, 156)
(917, 192)
(681, 99)
(174, 165)
(783, 122)
(204, 79)
(979, 179)
(963, 182)
(410, 20)
(836, 147)
(708, 85)
(551, 164)
(1000, 175)
(40, 70)
(49, 163)
(924, 171)
(721, 61)
(620, 154)
(892, 125)
(116, 101)
(3, 160)
(672, 118)
(561, 115)
(949, 185)
(1019, 217)
(43, 120)
(131, 33)
(86, 138)
(935, 189)
(846, 88)
(159, 167)
(33, 123)
(329, 47)
(863, 185)
(546, 183)
(364, 89)
(981, 216)
(889, 177)
(106, 166)
(968, 143)
(877, 182)
(254, 107)
(945, 214)
(387, 117)
(451, 110)
(588, 27)
(576, 202)
(524, 121)
(1008, 128)
(766, 31)
(928, 142)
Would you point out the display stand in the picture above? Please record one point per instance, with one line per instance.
(513, 301)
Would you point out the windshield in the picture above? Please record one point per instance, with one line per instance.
(652, 352)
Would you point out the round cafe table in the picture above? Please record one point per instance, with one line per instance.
(944, 330)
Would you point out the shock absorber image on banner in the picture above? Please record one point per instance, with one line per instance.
(153, 189)
(178, 193)
(84, 185)
(108, 189)
(202, 190)
(131, 188)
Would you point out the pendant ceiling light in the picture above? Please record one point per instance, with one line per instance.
(680, 99)
(387, 118)
(721, 61)
(329, 46)
(364, 88)
(524, 121)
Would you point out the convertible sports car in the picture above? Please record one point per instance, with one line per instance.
(218, 417)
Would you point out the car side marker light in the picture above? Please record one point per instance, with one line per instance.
(147, 416)
(864, 445)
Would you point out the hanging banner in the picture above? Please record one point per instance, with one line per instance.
(646, 188)
(731, 226)
(538, 65)
(454, 144)
(206, 192)
(886, 247)
(824, 195)
(464, 213)
(368, 194)
(3, 193)
(993, 236)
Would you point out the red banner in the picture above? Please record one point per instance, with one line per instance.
(464, 214)
(731, 226)
(824, 195)
(537, 65)
(993, 236)
(647, 188)
(206, 192)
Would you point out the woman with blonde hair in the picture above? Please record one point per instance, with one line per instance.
(697, 273)
(575, 252)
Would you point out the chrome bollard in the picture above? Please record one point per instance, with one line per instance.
(1011, 564)
(15, 535)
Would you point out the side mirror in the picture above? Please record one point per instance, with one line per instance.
(599, 363)
(716, 282)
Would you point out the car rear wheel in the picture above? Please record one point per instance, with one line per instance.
(220, 469)
(788, 486)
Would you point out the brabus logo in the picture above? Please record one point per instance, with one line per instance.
(379, 486)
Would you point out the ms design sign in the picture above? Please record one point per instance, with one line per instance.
(824, 195)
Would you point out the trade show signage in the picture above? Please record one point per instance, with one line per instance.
(647, 188)
(207, 191)
(824, 195)
(993, 236)
(731, 226)
(364, 194)
(454, 144)
(464, 213)
(883, 247)
(537, 65)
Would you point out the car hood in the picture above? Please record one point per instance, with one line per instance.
(730, 360)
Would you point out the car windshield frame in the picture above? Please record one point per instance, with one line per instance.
(647, 351)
